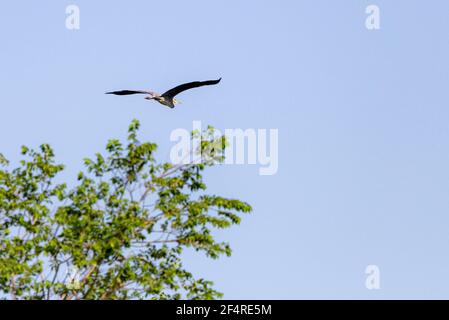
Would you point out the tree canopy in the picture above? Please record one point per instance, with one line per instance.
(118, 231)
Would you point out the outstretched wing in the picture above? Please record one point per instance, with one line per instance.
(190, 85)
(128, 92)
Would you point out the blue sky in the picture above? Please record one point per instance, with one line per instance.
(362, 117)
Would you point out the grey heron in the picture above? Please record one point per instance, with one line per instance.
(167, 98)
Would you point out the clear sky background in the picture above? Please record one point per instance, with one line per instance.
(362, 115)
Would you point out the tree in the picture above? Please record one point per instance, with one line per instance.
(119, 232)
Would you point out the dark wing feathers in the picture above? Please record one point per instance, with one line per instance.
(190, 85)
(128, 92)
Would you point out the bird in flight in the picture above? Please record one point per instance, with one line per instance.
(167, 98)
